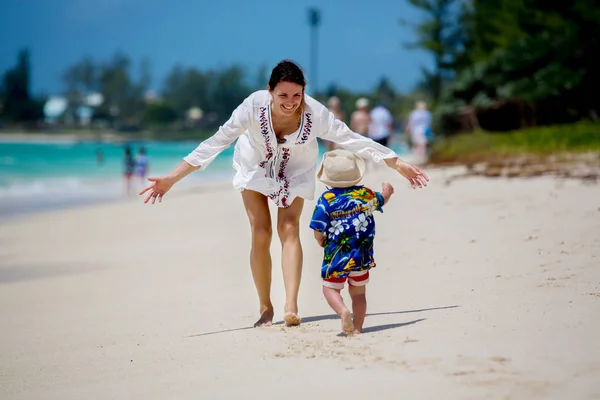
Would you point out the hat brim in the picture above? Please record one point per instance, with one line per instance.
(322, 175)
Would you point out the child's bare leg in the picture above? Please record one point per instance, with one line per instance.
(359, 305)
(334, 298)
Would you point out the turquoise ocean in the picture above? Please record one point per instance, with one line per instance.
(46, 175)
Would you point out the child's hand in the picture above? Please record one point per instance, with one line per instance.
(387, 188)
(387, 191)
(322, 242)
(321, 238)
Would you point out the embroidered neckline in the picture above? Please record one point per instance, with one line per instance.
(297, 132)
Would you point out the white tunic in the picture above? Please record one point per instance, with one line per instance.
(281, 171)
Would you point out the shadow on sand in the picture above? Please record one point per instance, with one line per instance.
(316, 318)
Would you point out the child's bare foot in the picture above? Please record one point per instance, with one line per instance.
(357, 331)
(347, 323)
(266, 318)
(292, 319)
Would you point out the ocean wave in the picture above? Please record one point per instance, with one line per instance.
(7, 160)
(62, 187)
(33, 139)
(76, 187)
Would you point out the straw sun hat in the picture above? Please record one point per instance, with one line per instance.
(341, 169)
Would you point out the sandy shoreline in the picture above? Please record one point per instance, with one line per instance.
(485, 288)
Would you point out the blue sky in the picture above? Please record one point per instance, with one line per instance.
(359, 41)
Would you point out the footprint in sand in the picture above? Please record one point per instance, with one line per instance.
(500, 359)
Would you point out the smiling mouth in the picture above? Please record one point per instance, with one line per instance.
(288, 108)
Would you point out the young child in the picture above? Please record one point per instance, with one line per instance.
(141, 165)
(344, 225)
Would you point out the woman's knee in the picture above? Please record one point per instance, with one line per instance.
(261, 232)
(258, 216)
(288, 228)
(288, 221)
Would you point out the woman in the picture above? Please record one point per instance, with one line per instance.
(128, 169)
(275, 158)
(419, 124)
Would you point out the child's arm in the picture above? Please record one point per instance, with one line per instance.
(320, 221)
(387, 192)
(320, 236)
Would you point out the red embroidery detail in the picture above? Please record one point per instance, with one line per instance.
(264, 129)
(282, 196)
(306, 130)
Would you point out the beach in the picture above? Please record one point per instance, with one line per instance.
(485, 288)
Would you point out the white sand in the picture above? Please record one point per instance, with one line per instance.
(484, 289)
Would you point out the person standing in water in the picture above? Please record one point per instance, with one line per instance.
(128, 169)
(142, 165)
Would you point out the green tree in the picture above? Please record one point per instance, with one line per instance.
(217, 93)
(186, 88)
(80, 79)
(159, 113)
(17, 103)
(262, 77)
(441, 34)
(123, 96)
(539, 55)
(385, 91)
(82, 76)
(228, 92)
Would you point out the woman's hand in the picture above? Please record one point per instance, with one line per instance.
(158, 188)
(415, 176)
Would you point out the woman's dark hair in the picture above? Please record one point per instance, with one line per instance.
(287, 71)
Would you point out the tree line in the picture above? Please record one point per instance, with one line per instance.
(505, 64)
(498, 65)
(128, 101)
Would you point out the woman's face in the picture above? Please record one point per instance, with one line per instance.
(287, 97)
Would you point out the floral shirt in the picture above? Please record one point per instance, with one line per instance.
(346, 217)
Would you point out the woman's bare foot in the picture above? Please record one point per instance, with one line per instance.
(266, 318)
(290, 315)
(292, 319)
(347, 324)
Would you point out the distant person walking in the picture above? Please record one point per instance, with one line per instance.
(128, 168)
(381, 126)
(335, 107)
(360, 119)
(419, 126)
